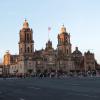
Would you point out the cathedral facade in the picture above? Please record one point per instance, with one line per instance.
(49, 59)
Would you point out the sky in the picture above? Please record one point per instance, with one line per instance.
(80, 17)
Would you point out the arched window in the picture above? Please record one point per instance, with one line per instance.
(28, 49)
(21, 50)
(30, 37)
(67, 51)
(31, 49)
(27, 37)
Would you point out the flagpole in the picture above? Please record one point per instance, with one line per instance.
(49, 28)
(48, 34)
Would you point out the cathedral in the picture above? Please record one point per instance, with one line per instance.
(48, 59)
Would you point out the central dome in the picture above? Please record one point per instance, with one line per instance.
(63, 29)
(25, 24)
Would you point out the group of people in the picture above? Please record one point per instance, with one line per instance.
(70, 74)
(54, 74)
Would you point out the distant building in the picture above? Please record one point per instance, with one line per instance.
(49, 59)
(77, 58)
(89, 61)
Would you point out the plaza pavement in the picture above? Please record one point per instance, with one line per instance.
(50, 89)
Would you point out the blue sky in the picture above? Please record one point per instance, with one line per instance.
(81, 17)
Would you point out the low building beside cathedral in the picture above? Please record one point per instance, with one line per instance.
(49, 59)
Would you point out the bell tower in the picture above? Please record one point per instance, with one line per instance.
(26, 43)
(64, 45)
